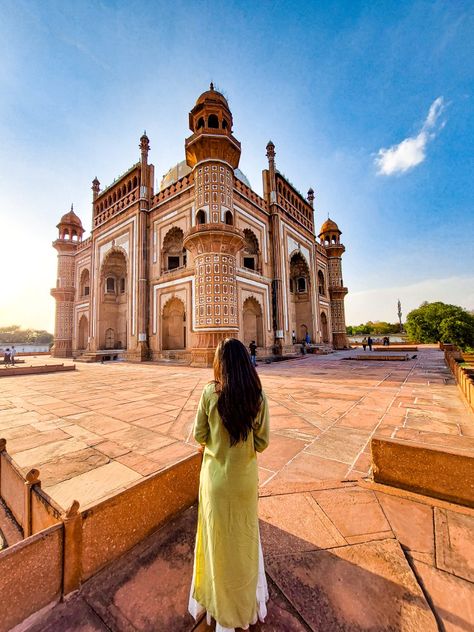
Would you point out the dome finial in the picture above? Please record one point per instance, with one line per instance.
(72, 207)
(211, 86)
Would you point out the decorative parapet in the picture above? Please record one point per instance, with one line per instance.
(117, 208)
(84, 244)
(247, 192)
(176, 187)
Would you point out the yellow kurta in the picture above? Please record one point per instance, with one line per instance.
(227, 540)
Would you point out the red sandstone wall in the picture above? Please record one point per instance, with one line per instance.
(30, 576)
(117, 524)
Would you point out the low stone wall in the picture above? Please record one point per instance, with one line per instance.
(382, 358)
(463, 374)
(60, 550)
(33, 353)
(31, 507)
(398, 349)
(33, 370)
(30, 576)
(116, 524)
(436, 472)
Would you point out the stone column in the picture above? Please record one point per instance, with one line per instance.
(214, 247)
(275, 250)
(142, 311)
(337, 292)
(64, 294)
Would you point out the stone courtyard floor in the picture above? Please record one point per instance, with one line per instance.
(342, 554)
(99, 429)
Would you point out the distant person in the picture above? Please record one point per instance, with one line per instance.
(293, 337)
(370, 342)
(303, 347)
(307, 338)
(12, 355)
(6, 356)
(364, 343)
(253, 353)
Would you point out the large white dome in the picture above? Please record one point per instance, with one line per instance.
(182, 169)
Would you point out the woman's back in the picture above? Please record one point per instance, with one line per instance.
(228, 563)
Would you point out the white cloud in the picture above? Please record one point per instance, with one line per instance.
(381, 303)
(410, 151)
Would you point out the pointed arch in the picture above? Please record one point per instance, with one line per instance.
(173, 325)
(173, 252)
(251, 251)
(82, 333)
(252, 321)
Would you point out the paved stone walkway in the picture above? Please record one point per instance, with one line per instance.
(340, 557)
(99, 429)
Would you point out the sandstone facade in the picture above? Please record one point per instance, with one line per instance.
(172, 272)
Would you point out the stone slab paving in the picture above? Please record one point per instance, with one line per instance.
(340, 557)
(105, 426)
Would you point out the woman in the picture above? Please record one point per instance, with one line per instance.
(232, 424)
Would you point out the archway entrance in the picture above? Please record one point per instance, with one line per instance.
(301, 318)
(113, 308)
(174, 325)
(109, 339)
(324, 327)
(83, 333)
(252, 322)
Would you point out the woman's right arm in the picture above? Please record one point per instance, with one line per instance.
(201, 423)
(261, 432)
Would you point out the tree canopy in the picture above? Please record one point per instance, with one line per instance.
(433, 322)
(14, 334)
(377, 327)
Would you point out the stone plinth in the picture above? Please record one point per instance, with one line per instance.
(438, 472)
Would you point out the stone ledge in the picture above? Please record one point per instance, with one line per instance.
(440, 473)
(34, 370)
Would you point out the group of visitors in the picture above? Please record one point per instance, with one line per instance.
(9, 356)
(368, 342)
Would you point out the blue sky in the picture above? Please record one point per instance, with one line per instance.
(370, 103)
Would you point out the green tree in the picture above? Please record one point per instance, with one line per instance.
(433, 322)
(14, 334)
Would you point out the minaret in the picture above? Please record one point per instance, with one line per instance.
(330, 239)
(277, 261)
(213, 153)
(70, 235)
(142, 321)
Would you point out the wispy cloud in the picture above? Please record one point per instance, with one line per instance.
(411, 151)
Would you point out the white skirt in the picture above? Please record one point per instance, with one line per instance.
(196, 609)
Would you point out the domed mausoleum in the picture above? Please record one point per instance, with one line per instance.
(169, 273)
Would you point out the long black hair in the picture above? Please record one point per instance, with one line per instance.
(239, 389)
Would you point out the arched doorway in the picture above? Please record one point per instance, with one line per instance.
(324, 327)
(173, 253)
(301, 317)
(252, 322)
(82, 333)
(113, 308)
(173, 325)
(109, 338)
